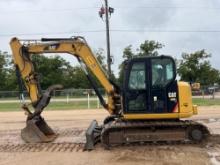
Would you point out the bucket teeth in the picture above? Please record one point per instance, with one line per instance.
(37, 131)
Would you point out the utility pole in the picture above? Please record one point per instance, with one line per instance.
(109, 60)
(107, 10)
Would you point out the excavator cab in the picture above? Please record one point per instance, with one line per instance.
(150, 85)
(153, 105)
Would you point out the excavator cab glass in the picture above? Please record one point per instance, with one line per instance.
(148, 83)
(137, 84)
(162, 72)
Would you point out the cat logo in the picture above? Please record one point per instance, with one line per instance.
(172, 94)
(51, 47)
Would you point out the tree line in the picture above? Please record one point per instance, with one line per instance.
(192, 67)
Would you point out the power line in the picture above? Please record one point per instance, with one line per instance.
(48, 10)
(119, 7)
(169, 7)
(113, 30)
(165, 31)
(50, 33)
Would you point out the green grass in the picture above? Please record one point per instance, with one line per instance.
(9, 107)
(206, 102)
(93, 104)
(71, 105)
(53, 97)
(52, 106)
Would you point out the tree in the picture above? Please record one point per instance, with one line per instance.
(2, 71)
(148, 48)
(127, 53)
(196, 67)
(52, 70)
(218, 80)
(77, 79)
(56, 70)
(11, 82)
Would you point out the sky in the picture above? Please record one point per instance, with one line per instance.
(180, 25)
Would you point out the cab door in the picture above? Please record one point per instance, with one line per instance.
(136, 87)
(163, 90)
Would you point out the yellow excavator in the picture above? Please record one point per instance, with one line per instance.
(149, 106)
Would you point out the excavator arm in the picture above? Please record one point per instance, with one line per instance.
(77, 46)
(36, 129)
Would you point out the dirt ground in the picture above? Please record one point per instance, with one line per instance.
(67, 149)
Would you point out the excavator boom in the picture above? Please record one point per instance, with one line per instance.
(37, 129)
(75, 46)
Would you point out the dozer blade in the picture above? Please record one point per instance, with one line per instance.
(93, 134)
(37, 131)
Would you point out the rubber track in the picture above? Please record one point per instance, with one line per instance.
(148, 124)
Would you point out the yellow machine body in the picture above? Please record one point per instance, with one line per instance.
(184, 109)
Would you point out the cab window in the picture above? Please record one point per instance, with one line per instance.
(137, 76)
(162, 72)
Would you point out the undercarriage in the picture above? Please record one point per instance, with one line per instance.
(119, 132)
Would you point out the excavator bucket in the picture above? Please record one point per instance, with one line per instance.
(37, 131)
(93, 135)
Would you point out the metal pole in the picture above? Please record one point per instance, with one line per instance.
(67, 98)
(97, 102)
(88, 101)
(107, 37)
